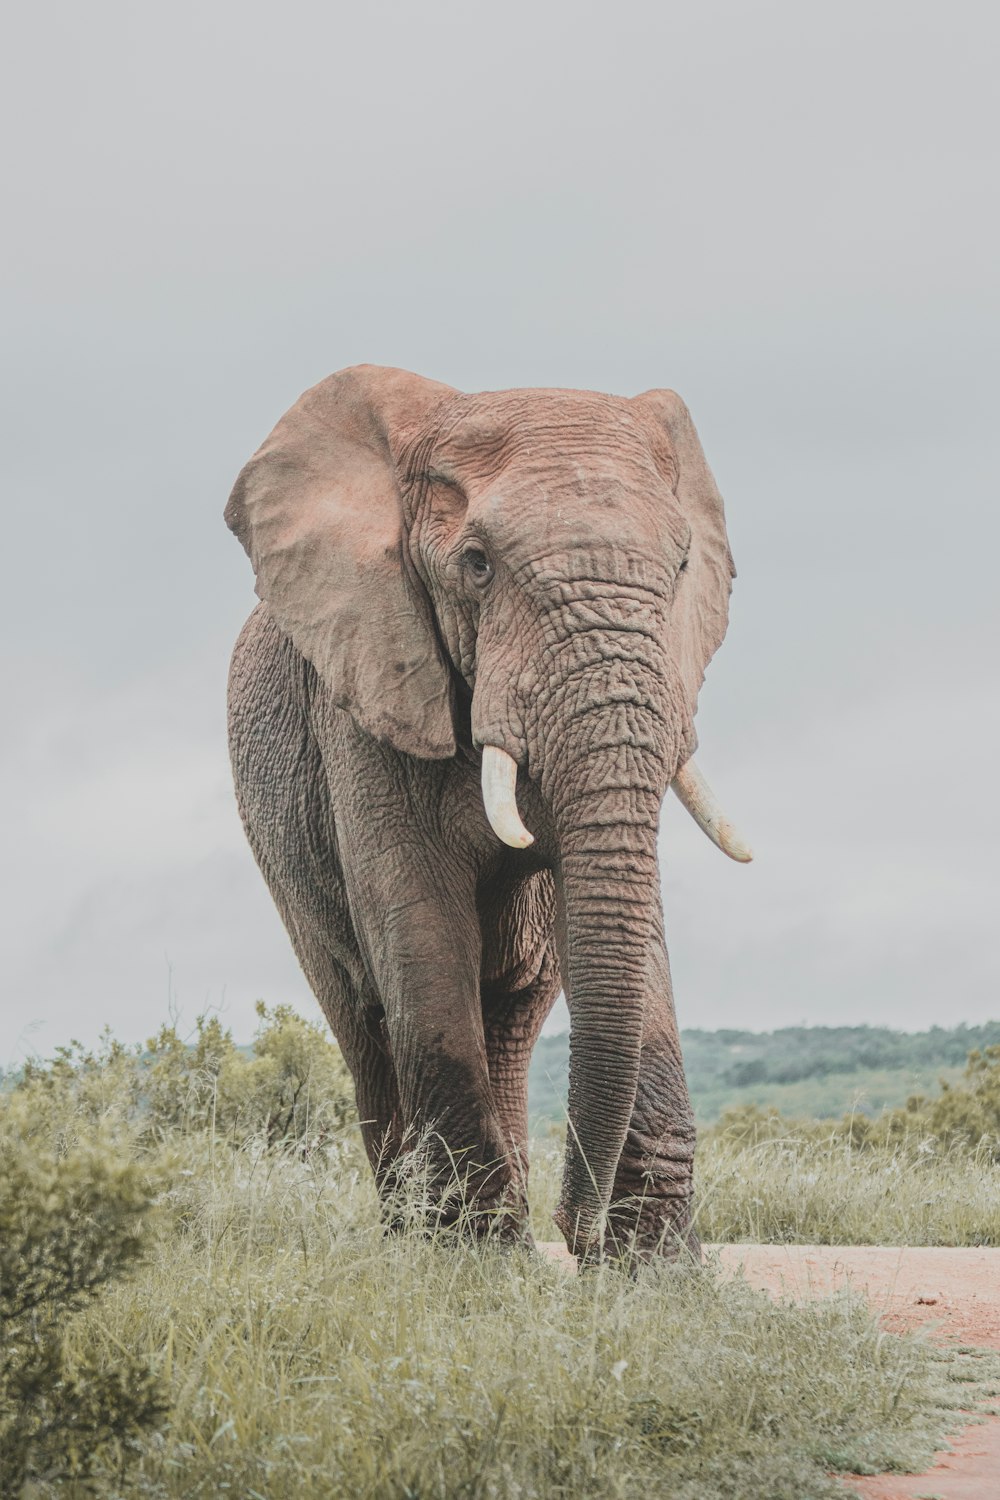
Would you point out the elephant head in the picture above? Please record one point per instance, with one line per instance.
(541, 576)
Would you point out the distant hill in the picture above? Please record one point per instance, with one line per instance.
(822, 1071)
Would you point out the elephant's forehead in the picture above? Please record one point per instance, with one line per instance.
(569, 468)
(561, 435)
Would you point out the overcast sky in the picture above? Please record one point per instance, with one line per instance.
(787, 212)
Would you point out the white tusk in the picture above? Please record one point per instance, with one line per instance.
(500, 798)
(699, 799)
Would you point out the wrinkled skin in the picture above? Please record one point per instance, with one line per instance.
(543, 571)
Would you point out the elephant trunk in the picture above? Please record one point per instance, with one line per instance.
(609, 892)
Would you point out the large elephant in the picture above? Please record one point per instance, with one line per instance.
(464, 598)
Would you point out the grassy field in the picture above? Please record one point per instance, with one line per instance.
(803, 1186)
(270, 1341)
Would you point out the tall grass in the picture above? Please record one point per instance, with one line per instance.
(792, 1189)
(306, 1353)
(811, 1183)
(298, 1350)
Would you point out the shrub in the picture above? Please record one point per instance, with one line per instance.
(963, 1117)
(80, 1089)
(71, 1221)
(972, 1113)
(295, 1086)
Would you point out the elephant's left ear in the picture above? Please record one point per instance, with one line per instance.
(701, 608)
(319, 510)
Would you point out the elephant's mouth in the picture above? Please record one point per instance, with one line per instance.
(499, 781)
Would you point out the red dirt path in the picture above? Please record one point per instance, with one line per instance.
(953, 1294)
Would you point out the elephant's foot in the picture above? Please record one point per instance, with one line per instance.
(635, 1231)
(650, 1217)
(426, 1194)
(583, 1232)
(638, 1239)
(501, 1220)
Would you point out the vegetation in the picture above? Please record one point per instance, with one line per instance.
(820, 1071)
(199, 1299)
(292, 1086)
(925, 1174)
(71, 1220)
(86, 1143)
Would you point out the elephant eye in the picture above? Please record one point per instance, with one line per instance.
(478, 566)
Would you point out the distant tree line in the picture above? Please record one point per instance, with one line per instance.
(720, 1062)
(794, 1053)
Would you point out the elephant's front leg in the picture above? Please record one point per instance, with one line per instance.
(651, 1207)
(415, 916)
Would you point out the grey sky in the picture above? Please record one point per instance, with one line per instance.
(787, 212)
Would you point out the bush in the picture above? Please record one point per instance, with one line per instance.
(84, 1140)
(71, 1221)
(80, 1090)
(964, 1117)
(971, 1114)
(295, 1086)
(292, 1085)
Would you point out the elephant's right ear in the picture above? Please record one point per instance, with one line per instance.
(319, 512)
(701, 609)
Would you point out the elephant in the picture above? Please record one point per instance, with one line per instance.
(484, 614)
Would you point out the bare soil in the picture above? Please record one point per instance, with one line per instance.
(953, 1294)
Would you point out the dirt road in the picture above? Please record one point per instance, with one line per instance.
(953, 1294)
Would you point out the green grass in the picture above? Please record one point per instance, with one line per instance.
(809, 1185)
(305, 1354)
(300, 1352)
(825, 1191)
